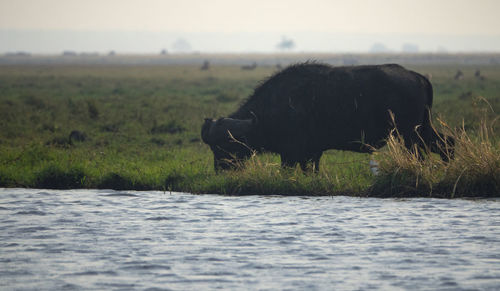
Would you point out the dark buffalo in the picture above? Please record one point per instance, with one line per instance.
(309, 108)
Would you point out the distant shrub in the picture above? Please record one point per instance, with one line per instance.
(92, 109)
(6, 180)
(465, 95)
(55, 177)
(118, 182)
(158, 141)
(75, 107)
(112, 127)
(118, 91)
(173, 181)
(34, 102)
(48, 127)
(77, 136)
(59, 141)
(170, 127)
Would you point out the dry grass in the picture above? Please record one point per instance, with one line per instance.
(473, 172)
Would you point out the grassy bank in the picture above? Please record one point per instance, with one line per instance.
(474, 170)
(141, 129)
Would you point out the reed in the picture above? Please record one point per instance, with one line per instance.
(474, 171)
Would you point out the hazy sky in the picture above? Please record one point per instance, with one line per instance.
(378, 17)
(365, 16)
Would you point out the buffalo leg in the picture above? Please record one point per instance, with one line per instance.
(286, 162)
(435, 142)
(304, 165)
(413, 140)
(317, 157)
(313, 162)
(442, 145)
(414, 148)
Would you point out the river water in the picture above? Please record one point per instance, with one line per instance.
(111, 240)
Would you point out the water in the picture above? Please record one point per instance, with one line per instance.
(109, 240)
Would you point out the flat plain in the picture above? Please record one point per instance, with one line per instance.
(139, 128)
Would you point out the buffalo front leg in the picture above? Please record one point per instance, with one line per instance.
(316, 159)
(443, 145)
(287, 162)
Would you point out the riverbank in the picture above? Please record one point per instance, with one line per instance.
(137, 127)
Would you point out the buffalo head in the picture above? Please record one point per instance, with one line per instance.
(227, 137)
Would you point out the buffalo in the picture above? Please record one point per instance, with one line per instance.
(308, 108)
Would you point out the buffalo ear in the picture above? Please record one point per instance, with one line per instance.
(205, 130)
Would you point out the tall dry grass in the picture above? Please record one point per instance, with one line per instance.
(474, 171)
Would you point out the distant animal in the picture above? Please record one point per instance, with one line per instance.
(205, 66)
(249, 67)
(459, 75)
(478, 75)
(308, 108)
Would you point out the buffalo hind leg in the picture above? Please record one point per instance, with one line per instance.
(311, 163)
(307, 164)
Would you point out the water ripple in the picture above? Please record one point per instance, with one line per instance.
(159, 218)
(31, 212)
(105, 239)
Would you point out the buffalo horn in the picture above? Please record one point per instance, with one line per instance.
(237, 127)
(213, 131)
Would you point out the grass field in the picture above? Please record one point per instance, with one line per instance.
(142, 127)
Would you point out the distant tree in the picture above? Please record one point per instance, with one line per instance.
(69, 54)
(181, 45)
(379, 48)
(442, 50)
(18, 54)
(410, 48)
(89, 54)
(286, 44)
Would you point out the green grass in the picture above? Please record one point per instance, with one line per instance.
(143, 132)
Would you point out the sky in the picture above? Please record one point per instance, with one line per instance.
(256, 25)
